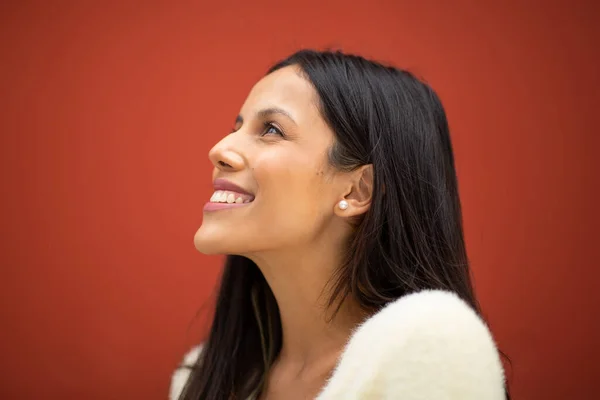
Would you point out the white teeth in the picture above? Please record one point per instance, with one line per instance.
(221, 196)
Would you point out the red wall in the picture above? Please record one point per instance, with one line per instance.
(108, 110)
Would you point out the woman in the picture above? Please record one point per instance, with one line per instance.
(336, 202)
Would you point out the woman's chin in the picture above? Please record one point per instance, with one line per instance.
(210, 243)
(205, 245)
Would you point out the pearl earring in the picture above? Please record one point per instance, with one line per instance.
(343, 204)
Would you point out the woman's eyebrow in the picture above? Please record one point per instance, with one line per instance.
(266, 113)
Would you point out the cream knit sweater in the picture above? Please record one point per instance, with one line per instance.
(424, 346)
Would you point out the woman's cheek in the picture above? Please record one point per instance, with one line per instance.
(280, 171)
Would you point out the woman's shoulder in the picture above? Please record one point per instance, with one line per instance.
(182, 373)
(429, 344)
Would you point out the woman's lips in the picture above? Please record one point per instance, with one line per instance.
(227, 195)
(209, 206)
(224, 184)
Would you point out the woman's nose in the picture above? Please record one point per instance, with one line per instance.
(225, 157)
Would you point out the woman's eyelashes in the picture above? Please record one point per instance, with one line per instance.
(267, 129)
(270, 129)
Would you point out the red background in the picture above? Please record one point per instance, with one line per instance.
(108, 110)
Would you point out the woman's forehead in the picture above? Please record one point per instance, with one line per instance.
(286, 89)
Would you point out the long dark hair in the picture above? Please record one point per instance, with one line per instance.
(410, 239)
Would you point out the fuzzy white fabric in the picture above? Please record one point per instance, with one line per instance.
(424, 346)
(181, 374)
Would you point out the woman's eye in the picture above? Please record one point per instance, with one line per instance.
(271, 129)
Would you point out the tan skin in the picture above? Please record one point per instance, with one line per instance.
(293, 229)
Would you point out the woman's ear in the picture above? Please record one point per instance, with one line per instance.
(357, 198)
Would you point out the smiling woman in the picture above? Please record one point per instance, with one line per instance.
(337, 204)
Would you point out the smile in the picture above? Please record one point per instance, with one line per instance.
(225, 199)
(230, 197)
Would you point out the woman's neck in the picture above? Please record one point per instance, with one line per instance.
(311, 332)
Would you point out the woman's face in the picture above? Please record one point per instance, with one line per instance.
(277, 156)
